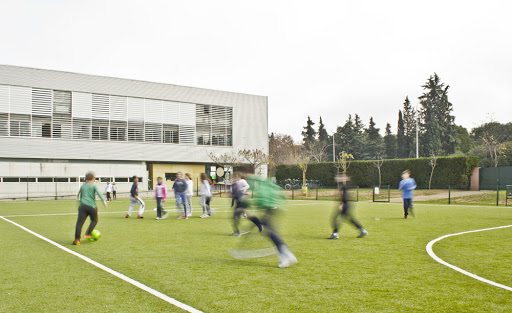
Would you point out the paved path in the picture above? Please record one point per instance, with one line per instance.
(443, 195)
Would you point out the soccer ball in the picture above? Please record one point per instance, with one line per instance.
(95, 235)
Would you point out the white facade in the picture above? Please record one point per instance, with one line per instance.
(51, 116)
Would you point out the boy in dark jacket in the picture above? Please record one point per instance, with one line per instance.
(180, 187)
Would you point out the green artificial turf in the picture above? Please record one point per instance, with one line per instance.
(388, 271)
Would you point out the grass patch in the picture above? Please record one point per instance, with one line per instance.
(387, 271)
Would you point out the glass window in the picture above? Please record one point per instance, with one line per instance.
(171, 133)
(99, 130)
(61, 179)
(81, 128)
(170, 176)
(45, 180)
(61, 102)
(153, 132)
(20, 125)
(135, 131)
(11, 179)
(27, 179)
(121, 179)
(72, 180)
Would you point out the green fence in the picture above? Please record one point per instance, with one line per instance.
(492, 177)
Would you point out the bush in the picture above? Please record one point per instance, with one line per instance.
(453, 171)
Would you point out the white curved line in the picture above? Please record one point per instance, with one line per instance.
(438, 259)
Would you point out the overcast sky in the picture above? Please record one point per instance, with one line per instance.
(318, 58)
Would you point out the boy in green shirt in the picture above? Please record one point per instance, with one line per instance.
(87, 196)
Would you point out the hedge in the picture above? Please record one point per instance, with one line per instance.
(449, 171)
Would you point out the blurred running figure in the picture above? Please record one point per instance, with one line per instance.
(134, 197)
(407, 185)
(345, 211)
(179, 188)
(189, 193)
(206, 195)
(243, 186)
(114, 191)
(238, 189)
(160, 196)
(268, 198)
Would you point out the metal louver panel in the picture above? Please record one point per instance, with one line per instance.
(100, 107)
(153, 132)
(171, 112)
(81, 105)
(99, 130)
(152, 111)
(81, 128)
(19, 125)
(4, 124)
(187, 123)
(4, 99)
(135, 131)
(61, 102)
(62, 126)
(42, 102)
(20, 100)
(118, 130)
(118, 108)
(135, 109)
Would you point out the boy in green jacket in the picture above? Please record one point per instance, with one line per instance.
(87, 196)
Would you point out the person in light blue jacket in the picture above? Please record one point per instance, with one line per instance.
(407, 185)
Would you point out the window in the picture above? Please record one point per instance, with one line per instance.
(121, 179)
(82, 179)
(131, 180)
(45, 180)
(72, 180)
(20, 125)
(117, 131)
(46, 130)
(27, 179)
(61, 179)
(57, 131)
(170, 176)
(135, 131)
(171, 133)
(99, 130)
(105, 179)
(11, 179)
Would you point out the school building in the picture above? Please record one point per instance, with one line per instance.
(55, 126)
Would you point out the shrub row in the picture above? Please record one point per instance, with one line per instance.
(453, 171)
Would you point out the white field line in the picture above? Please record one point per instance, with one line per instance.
(111, 271)
(439, 260)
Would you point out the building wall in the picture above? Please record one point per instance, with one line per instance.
(76, 169)
(194, 170)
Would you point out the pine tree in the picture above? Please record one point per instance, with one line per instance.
(322, 132)
(400, 137)
(389, 143)
(359, 141)
(374, 144)
(437, 123)
(409, 116)
(345, 138)
(309, 134)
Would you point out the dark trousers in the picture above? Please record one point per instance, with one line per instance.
(83, 212)
(159, 207)
(407, 205)
(239, 210)
(114, 193)
(108, 196)
(345, 214)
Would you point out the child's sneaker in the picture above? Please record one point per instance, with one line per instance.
(87, 236)
(127, 216)
(166, 215)
(140, 216)
(363, 233)
(333, 236)
(76, 242)
(186, 217)
(158, 218)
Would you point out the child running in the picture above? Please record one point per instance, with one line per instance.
(206, 195)
(407, 185)
(109, 191)
(189, 193)
(87, 196)
(114, 191)
(160, 196)
(345, 211)
(180, 187)
(134, 197)
(238, 190)
(268, 198)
